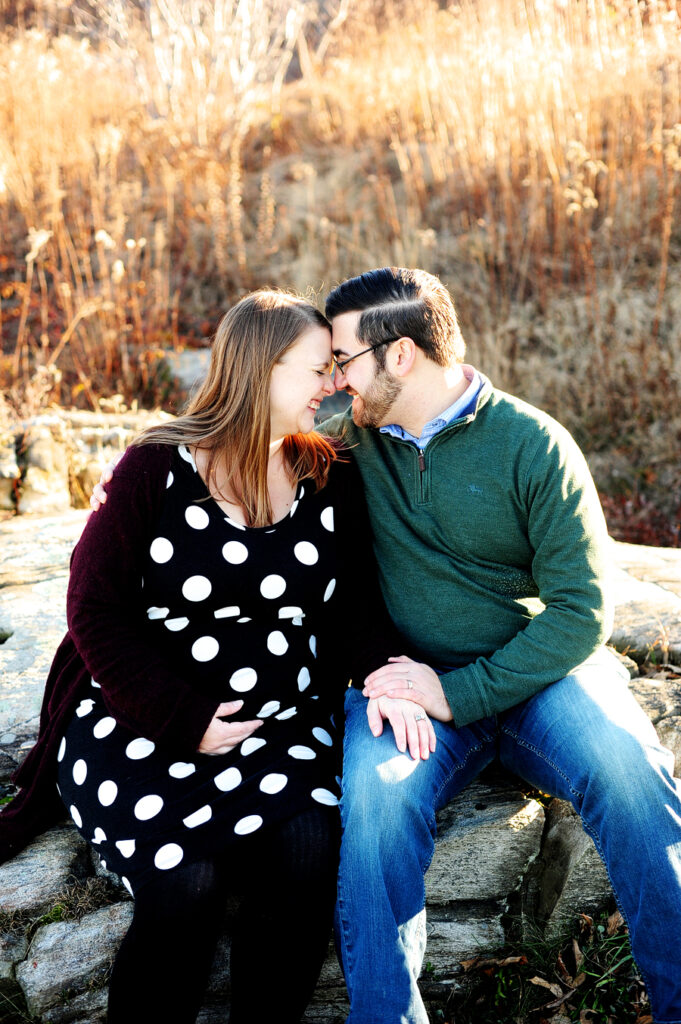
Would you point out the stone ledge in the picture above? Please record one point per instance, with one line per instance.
(537, 866)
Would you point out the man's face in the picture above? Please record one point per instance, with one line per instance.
(374, 390)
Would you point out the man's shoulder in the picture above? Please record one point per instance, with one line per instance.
(510, 412)
(339, 425)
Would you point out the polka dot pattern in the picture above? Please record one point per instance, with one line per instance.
(302, 753)
(322, 736)
(104, 728)
(157, 613)
(243, 680)
(161, 550)
(306, 552)
(325, 796)
(273, 586)
(197, 517)
(205, 648)
(277, 642)
(252, 744)
(327, 518)
(148, 807)
(268, 709)
(235, 552)
(273, 783)
(196, 588)
(175, 625)
(199, 817)
(229, 608)
(169, 856)
(228, 780)
(107, 793)
(249, 824)
(139, 748)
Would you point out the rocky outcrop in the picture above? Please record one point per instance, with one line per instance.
(51, 462)
(502, 859)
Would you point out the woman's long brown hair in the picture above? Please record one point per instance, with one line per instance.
(230, 413)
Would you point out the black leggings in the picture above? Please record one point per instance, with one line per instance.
(286, 882)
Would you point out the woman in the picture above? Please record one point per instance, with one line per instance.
(189, 713)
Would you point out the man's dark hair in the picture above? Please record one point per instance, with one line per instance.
(396, 303)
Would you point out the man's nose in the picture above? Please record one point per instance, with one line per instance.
(341, 384)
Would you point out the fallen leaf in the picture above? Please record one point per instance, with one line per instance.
(579, 956)
(554, 989)
(563, 971)
(480, 962)
(615, 922)
(579, 980)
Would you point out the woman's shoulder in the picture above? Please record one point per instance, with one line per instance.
(146, 458)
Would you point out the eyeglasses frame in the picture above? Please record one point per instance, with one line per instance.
(339, 365)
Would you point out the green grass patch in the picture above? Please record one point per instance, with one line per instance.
(587, 976)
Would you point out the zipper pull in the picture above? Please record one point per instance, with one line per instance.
(422, 460)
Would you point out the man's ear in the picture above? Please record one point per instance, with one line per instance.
(402, 356)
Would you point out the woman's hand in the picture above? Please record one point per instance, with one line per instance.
(220, 737)
(411, 680)
(98, 496)
(411, 726)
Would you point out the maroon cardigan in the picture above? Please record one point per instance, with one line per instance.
(140, 687)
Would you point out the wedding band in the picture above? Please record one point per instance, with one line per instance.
(419, 718)
(410, 685)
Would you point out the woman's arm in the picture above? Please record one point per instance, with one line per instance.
(105, 609)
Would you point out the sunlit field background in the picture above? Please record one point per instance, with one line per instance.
(160, 158)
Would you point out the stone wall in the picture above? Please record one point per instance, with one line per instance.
(503, 862)
(51, 462)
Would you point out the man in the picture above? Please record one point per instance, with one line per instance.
(492, 554)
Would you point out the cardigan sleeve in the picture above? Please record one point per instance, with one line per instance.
(105, 610)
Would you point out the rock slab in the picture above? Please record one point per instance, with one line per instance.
(497, 851)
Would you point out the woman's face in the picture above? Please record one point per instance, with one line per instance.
(300, 380)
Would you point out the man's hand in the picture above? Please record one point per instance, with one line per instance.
(412, 728)
(410, 680)
(98, 496)
(220, 737)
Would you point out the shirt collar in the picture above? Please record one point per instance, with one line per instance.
(454, 411)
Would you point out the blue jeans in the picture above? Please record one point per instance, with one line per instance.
(584, 739)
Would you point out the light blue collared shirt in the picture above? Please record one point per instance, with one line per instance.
(463, 405)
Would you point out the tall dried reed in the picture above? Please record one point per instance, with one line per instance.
(157, 159)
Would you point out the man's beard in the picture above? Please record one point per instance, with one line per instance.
(372, 408)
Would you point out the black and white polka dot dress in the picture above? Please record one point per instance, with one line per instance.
(239, 611)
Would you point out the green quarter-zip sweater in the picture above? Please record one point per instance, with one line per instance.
(492, 550)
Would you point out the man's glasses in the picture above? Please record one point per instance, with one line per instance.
(339, 365)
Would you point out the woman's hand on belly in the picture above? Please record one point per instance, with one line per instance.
(220, 737)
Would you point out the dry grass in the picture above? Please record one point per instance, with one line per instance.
(158, 160)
